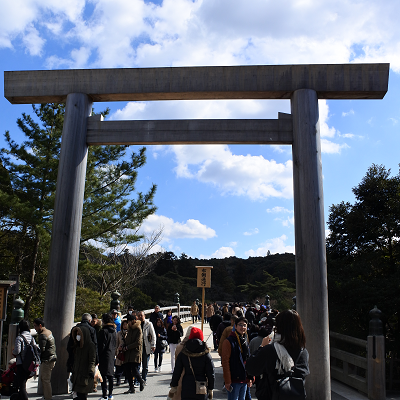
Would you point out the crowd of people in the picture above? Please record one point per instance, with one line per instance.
(257, 345)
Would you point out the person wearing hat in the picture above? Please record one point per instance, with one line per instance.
(117, 319)
(196, 360)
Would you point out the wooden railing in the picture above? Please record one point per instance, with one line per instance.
(347, 367)
(183, 312)
(364, 373)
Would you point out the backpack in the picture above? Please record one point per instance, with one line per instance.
(289, 387)
(31, 360)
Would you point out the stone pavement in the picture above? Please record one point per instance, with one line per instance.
(158, 383)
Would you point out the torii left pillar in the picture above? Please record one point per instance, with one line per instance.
(64, 251)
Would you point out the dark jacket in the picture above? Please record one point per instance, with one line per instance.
(163, 336)
(263, 362)
(215, 320)
(70, 344)
(221, 328)
(174, 337)
(82, 377)
(107, 345)
(154, 316)
(47, 345)
(202, 365)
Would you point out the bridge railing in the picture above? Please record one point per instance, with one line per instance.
(364, 373)
(183, 312)
(347, 367)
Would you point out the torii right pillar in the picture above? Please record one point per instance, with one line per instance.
(311, 272)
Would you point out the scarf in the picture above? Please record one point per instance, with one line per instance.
(244, 348)
(284, 363)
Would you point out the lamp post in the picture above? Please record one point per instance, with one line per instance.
(176, 299)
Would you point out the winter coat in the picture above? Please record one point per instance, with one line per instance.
(134, 344)
(70, 344)
(107, 345)
(215, 321)
(221, 327)
(160, 330)
(154, 316)
(194, 310)
(82, 377)
(20, 348)
(47, 345)
(263, 362)
(121, 335)
(210, 311)
(174, 337)
(149, 336)
(202, 365)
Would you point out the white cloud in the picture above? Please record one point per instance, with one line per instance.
(251, 232)
(346, 114)
(207, 32)
(237, 175)
(222, 252)
(33, 42)
(277, 210)
(332, 148)
(276, 245)
(326, 131)
(288, 221)
(192, 228)
(394, 121)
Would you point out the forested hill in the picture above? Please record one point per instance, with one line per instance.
(232, 279)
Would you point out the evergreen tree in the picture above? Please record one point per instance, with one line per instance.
(363, 251)
(28, 173)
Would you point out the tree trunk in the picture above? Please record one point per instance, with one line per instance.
(32, 276)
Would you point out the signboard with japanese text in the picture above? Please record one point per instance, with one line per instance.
(204, 277)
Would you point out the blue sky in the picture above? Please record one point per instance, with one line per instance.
(220, 201)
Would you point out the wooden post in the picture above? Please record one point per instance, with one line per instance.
(311, 275)
(64, 251)
(203, 295)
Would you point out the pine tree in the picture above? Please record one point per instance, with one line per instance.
(28, 173)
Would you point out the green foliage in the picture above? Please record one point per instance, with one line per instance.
(363, 251)
(280, 290)
(88, 300)
(139, 300)
(172, 274)
(28, 173)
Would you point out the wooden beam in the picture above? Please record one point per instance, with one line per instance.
(197, 131)
(330, 81)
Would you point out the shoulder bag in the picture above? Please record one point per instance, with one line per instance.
(201, 386)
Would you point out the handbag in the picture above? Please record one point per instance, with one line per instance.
(164, 344)
(289, 387)
(201, 386)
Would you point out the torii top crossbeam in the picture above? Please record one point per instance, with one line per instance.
(330, 81)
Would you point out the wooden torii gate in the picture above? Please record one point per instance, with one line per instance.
(302, 84)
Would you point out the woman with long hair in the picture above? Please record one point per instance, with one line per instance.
(287, 352)
(121, 335)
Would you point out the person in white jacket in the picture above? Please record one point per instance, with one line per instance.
(149, 342)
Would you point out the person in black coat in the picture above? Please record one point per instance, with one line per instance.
(194, 358)
(215, 320)
(174, 333)
(161, 334)
(107, 346)
(289, 337)
(86, 320)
